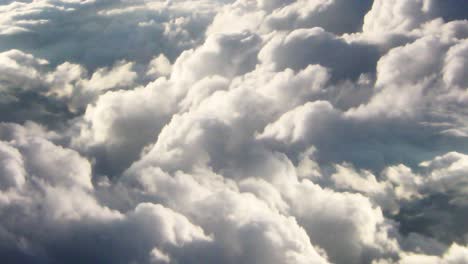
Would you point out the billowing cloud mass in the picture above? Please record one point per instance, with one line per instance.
(234, 131)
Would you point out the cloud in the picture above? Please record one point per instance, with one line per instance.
(271, 15)
(456, 254)
(50, 188)
(209, 131)
(33, 90)
(305, 14)
(304, 47)
(64, 31)
(405, 15)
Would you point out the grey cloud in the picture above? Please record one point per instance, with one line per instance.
(454, 255)
(32, 90)
(324, 14)
(106, 131)
(288, 15)
(404, 15)
(303, 47)
(50, 188)
(69, 31)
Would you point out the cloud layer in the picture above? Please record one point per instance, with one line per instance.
(234, 131)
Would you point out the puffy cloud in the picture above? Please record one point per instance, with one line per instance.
(303, 47)
(32, 90)
(20, 70)
(251, 232)
(454, 68)
(31, 158)
(308, 131)
(455, 254)
(13, 174)
(271, 15)
(159, 66)
(412, 74)
(405, 15)
(90, 32)
(50, 188)
(305, 14)
(109, 126)
(199, 130)
(228, 55)
(293, 126)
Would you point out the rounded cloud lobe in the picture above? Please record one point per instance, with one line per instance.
(234, 131)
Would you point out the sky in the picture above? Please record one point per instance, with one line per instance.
(234, 131)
